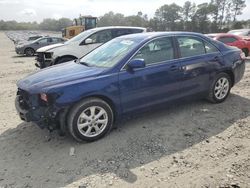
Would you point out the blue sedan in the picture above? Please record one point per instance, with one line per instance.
(126, 75)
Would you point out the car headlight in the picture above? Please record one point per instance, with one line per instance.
(20, 46)
(48, 55)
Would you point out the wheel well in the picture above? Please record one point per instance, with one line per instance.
(28, 48)
(104, 98)
(107, 100)
(65, 56)
(245, 49)
(231, 74)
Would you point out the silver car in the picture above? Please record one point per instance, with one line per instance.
(29, 48)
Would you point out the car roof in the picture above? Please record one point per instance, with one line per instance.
(117, 27)
(222, 35)
(159, 34)
(240, 30)
(46, 37)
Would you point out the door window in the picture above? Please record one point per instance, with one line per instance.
(156, 51)
(210, 48)
(190, 46)
(43, 41)
(120, 32)
(101, 36)
(227, 39)
(56, 40)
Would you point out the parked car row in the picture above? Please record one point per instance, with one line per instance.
(238, 38)
(127, 74)
(29, 48)
(81, 44)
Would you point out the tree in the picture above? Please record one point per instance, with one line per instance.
(111, 19)
(168, 15)
(236, 7)
(188, 11)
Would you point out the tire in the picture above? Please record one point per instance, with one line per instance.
(29, 52)
(246, 51)
(81, 121)
(64, 60)
(220, 88)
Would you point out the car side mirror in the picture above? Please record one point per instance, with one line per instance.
(136, 64)
(88, 41)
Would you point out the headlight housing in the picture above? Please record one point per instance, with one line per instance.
(48, 55)
(48, 99)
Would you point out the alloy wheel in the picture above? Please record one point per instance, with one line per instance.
(221, 88)
(92, 121)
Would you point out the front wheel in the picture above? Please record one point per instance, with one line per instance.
(90, 120)
(220, 88)
(29, 52)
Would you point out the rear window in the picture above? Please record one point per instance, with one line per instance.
(192, 46)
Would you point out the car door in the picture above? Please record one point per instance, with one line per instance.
(158, 82)
(41, 43)
(198, 60)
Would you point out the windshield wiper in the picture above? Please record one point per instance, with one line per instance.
(84, 63)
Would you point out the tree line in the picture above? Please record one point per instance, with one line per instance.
(215, 16)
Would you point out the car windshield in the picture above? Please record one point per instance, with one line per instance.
(81, 36)
(110, 53)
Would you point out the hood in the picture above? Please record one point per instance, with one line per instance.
(23, 43)
(49, 47)
(59, 74)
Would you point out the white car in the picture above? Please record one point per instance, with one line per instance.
(81, 44)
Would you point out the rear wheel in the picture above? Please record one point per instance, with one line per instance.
(246, 51)
(29, 52)
(90, 120)
(220, 88)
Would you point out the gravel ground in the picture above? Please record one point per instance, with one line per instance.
(194, 144)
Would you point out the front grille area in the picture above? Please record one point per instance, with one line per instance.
(40, 57)
(23, 99)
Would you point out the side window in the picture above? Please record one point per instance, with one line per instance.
(210, 48)
(120, 32)
(190, 46)
(101, 36)
(156, 51)
(57, 40)
(49, 39)
(43, 41)
(227, 39)
(137, 30)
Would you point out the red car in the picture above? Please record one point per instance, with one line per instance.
(232, 40)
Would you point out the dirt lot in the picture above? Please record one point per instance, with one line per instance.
(195, 144)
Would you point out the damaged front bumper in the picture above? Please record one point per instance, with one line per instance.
(43, 60)
(30, 109)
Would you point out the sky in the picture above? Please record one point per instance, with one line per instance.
(37, 10)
